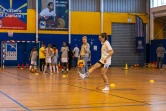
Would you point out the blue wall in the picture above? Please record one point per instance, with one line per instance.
(153, 47)
(24, 49)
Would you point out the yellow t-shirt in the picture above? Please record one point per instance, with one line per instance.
(41, 55)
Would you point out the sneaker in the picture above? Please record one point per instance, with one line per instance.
(82, 75)
(87, 75)
(44, 73)
(106, 88)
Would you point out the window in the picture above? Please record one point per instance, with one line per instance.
(157, 3)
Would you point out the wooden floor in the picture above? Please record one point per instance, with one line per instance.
(24, 91)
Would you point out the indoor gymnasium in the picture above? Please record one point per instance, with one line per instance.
(82, 55)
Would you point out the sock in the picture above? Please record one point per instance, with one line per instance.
(67, 69)
(54, 69)
(62, 70)
(50, 69)
(57, 69)
(30, 67)
(34, 67)
(106, 85)
(45, 68)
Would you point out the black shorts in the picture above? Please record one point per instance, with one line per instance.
(101, 63)
(104, 65)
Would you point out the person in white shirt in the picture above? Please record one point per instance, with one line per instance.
(48, 51)
(48, 12)
(54, 59)
(33, 59)
(65, 57)
(76, 54)
(105, 61)
(49, 16)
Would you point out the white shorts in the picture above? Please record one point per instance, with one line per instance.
(48, 60)
(64, 60)
(33, 62)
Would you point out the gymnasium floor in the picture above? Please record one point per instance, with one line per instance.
(24, 91)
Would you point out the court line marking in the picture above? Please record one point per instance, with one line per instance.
(109, 94)
(24, 107)
(16, 75)
(90, 107)
(10, 76)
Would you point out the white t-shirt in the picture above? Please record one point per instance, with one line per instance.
(48, 52)
(64, 51)
(34, 55)
(76, 51)
(106, 47)
(46, 12)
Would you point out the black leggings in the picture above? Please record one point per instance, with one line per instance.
(42, 63)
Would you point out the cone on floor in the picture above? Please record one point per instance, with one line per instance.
(18, 66)
(22, 66)
(59, 65)
(27, 65)
(126, 67)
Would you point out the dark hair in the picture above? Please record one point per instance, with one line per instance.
(104, 35)
(160, 45)
(50, 4)
(54, 46)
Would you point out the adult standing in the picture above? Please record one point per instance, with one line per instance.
(160, 56)
(76, 54)
(84, 54)
(42, 57)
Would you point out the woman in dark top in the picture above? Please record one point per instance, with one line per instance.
(70, 57)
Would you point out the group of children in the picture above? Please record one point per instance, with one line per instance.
(50, 58)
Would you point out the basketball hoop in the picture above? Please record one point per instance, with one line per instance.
(10, 33)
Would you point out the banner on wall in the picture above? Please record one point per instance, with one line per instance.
(13, 14)
(11, 51)
(53, 14)
(140, 35)
(140, 44)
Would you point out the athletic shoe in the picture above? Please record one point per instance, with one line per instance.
(83, 76)
(106, 88)
(87, 75)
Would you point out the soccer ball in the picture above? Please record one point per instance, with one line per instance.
(81, 63)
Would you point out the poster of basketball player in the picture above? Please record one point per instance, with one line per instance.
(53, 14)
